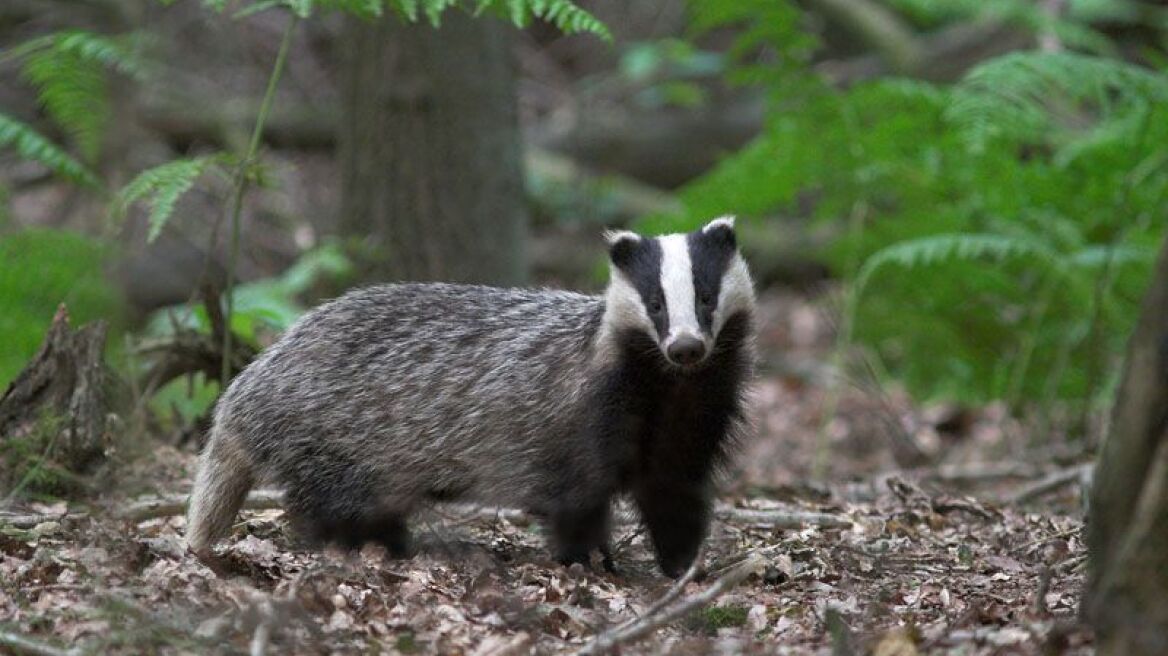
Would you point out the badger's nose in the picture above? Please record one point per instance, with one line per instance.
(686, 350)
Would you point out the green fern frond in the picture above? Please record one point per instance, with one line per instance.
(74, 93)
(111, 52)
(1026, 95)
(1072, 30)
(936, 249)
(564, 14)
(162, 187)
(68, 71)
(434, 9)
(30, 145)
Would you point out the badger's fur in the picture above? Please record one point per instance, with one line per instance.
(393, 396)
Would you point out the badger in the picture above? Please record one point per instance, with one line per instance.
(395, 396)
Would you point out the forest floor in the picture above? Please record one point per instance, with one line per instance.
(978, 552)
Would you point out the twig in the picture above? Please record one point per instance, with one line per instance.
(1048, 484)
(979, 473)
(31, 520)
(1044, 578)
(263, 630)
(19, 644)
(672, 593)
(176, 504)
(1061, 535)
(782, 518)
(647, 623)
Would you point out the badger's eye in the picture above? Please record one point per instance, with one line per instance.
(705, 300)
(655, 306)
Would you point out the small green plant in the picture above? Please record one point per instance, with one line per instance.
(709, 620)
(39, 270)
(69, 71)
(27, 468)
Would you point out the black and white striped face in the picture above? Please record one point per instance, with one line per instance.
(680, 289)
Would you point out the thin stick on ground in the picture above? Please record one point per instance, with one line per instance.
(263, 630)
(782, 518)
(673, 592)
(1048, 484)
(19, 644)
(648, 623)
(176, 504)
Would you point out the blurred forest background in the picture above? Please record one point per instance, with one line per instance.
(953, 211)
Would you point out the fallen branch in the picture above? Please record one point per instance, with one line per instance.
(782, 518)
(990, 471)
(263, 630)
(1049, 483)
(672, 593)
(176, 504)
(19, 644)
(32, 520)
(649, 622)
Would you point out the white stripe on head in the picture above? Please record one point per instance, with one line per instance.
(720, 222)
(737, 293)
(678, 285)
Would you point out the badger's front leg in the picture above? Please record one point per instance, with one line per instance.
(677, 515)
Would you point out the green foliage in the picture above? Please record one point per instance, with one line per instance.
(1070, 29)
(564, 14)
(40, 269)
(709, 620)
(30, 145)
(27, 468)
(998, 232)
(263, 309)
(765, 26)
(68, 70)
(161, 187)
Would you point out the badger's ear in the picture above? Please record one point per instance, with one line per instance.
(622, 245)
(722, 230)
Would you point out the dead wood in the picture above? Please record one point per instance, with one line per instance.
(18, 644)
(65, 382)
(645, 625)
(186, 351)
(1050, 483)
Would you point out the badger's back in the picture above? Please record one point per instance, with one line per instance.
(424, 390)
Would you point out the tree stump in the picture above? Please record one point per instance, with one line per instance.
(66, 381)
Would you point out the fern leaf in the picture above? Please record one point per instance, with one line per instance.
(73, 92)
(409, 8)
(68, 71)
(564, 14)
(34, 147)
(927, 251)
(1026, 95)
(435, 8)
(113, 53)
(161, 188)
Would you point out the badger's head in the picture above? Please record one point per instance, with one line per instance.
(679, 290)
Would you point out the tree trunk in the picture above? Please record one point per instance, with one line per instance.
(1128, 528)
(429, 149)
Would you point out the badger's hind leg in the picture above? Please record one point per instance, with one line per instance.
(348, 512)
(577, 531)
(389, 530)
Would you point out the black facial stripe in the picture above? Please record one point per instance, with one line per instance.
(710, 254)
(642, 266)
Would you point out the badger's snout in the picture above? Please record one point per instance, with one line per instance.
(686, 350)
